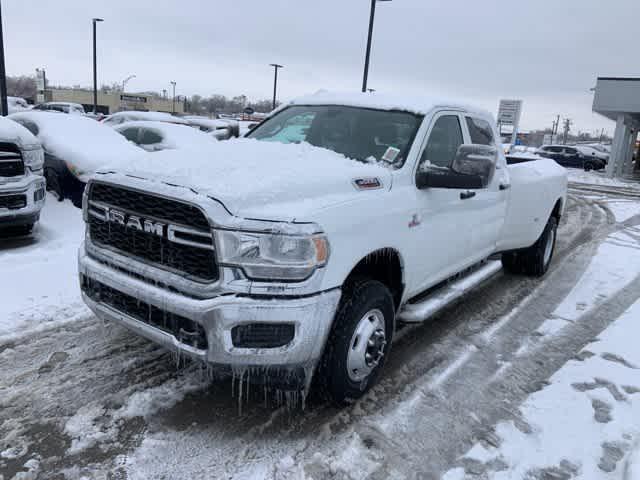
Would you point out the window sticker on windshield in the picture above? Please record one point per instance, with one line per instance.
(391, 154)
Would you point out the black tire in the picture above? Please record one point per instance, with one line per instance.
(53, 183)
(588, 167)
(333, 379)
(535, 260)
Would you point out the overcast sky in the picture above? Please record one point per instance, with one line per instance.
(546, 52)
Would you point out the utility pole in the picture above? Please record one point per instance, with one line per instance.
(554, 128)
(173, 102)
(3, 73)
(567, 128)
(95, 66)
(367, 56)
(275, 82)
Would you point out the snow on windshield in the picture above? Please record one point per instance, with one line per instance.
(359, 133)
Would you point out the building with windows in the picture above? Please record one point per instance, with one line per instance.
(115, 101)
(619, 100)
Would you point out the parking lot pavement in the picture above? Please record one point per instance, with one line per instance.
(79, 399)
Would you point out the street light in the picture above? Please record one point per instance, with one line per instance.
(95, 66)
(126, 80)
(3, 73)
(275, 82)
(173, 108)
(368, 54)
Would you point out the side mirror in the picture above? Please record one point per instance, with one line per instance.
(476, 160)
(445, 178)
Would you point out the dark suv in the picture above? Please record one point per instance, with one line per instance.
(572, 157)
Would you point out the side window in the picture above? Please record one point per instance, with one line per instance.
(480, 131)
(443, 143)
(150, 137)
(130, 134)
(555, 149)
(570, 151)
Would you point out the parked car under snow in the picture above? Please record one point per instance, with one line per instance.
(220, 129)
(75, 146)
(134, 116)
(156, 136)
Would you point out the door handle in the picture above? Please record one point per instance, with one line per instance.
(505, 186)
(466, 195)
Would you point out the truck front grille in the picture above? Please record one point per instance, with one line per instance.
(13, 202)
(196, 261)
(11, 164)
(184, 330)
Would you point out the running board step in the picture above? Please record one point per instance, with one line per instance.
(421, 311)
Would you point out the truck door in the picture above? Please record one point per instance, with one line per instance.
(442, 224)
(488, 206)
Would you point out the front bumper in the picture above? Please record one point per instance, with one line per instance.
(311, 316)
(27, 186)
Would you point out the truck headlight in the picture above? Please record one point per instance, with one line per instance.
(273, 256)
(34, 159)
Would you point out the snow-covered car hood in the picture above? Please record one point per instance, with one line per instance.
(12, 132)
(263, 180)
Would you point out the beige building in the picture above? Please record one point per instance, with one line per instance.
(112, 102)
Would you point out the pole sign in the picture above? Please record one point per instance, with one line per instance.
(41, 85)
(509, 113)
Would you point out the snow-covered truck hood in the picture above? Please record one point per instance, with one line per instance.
(263, 180)
(12, 132)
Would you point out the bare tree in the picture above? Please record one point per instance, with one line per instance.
(22, 86)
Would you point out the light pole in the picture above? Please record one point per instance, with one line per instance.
(126, 80)
(3, 73)
(95, 66)
(275, 82)
(173, 107)
(368, 54)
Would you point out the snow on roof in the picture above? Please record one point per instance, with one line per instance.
(12, 132)
(381, 101)
(83, 142)
(148, 116)
(174, 136)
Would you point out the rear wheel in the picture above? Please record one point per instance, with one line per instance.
(359, 341)
(535, 260)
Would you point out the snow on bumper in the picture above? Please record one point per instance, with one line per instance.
(27, 187)
(311, 317)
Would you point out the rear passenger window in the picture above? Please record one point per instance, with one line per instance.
(130, 134)
(443, 143)
(480, 131)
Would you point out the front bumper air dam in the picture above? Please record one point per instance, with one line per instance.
(31, 212)
(312, 317)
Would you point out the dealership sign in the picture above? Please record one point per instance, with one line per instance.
(133, 99)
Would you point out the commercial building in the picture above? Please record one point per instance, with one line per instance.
(114, 101)
(619, 100)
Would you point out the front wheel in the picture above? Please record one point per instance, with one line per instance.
(588, 167)
(359, 341)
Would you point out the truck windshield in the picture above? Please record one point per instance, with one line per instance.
(362, 134)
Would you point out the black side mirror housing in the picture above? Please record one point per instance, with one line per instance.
(436, 178)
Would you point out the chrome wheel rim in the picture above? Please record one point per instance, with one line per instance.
(367, 345)
(548, 249)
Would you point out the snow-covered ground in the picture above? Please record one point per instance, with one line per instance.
(586, 423)
(40, 274)
(525, 378)
(599, 178)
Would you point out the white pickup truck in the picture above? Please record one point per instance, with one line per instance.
(22, 184)
(298, 248)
